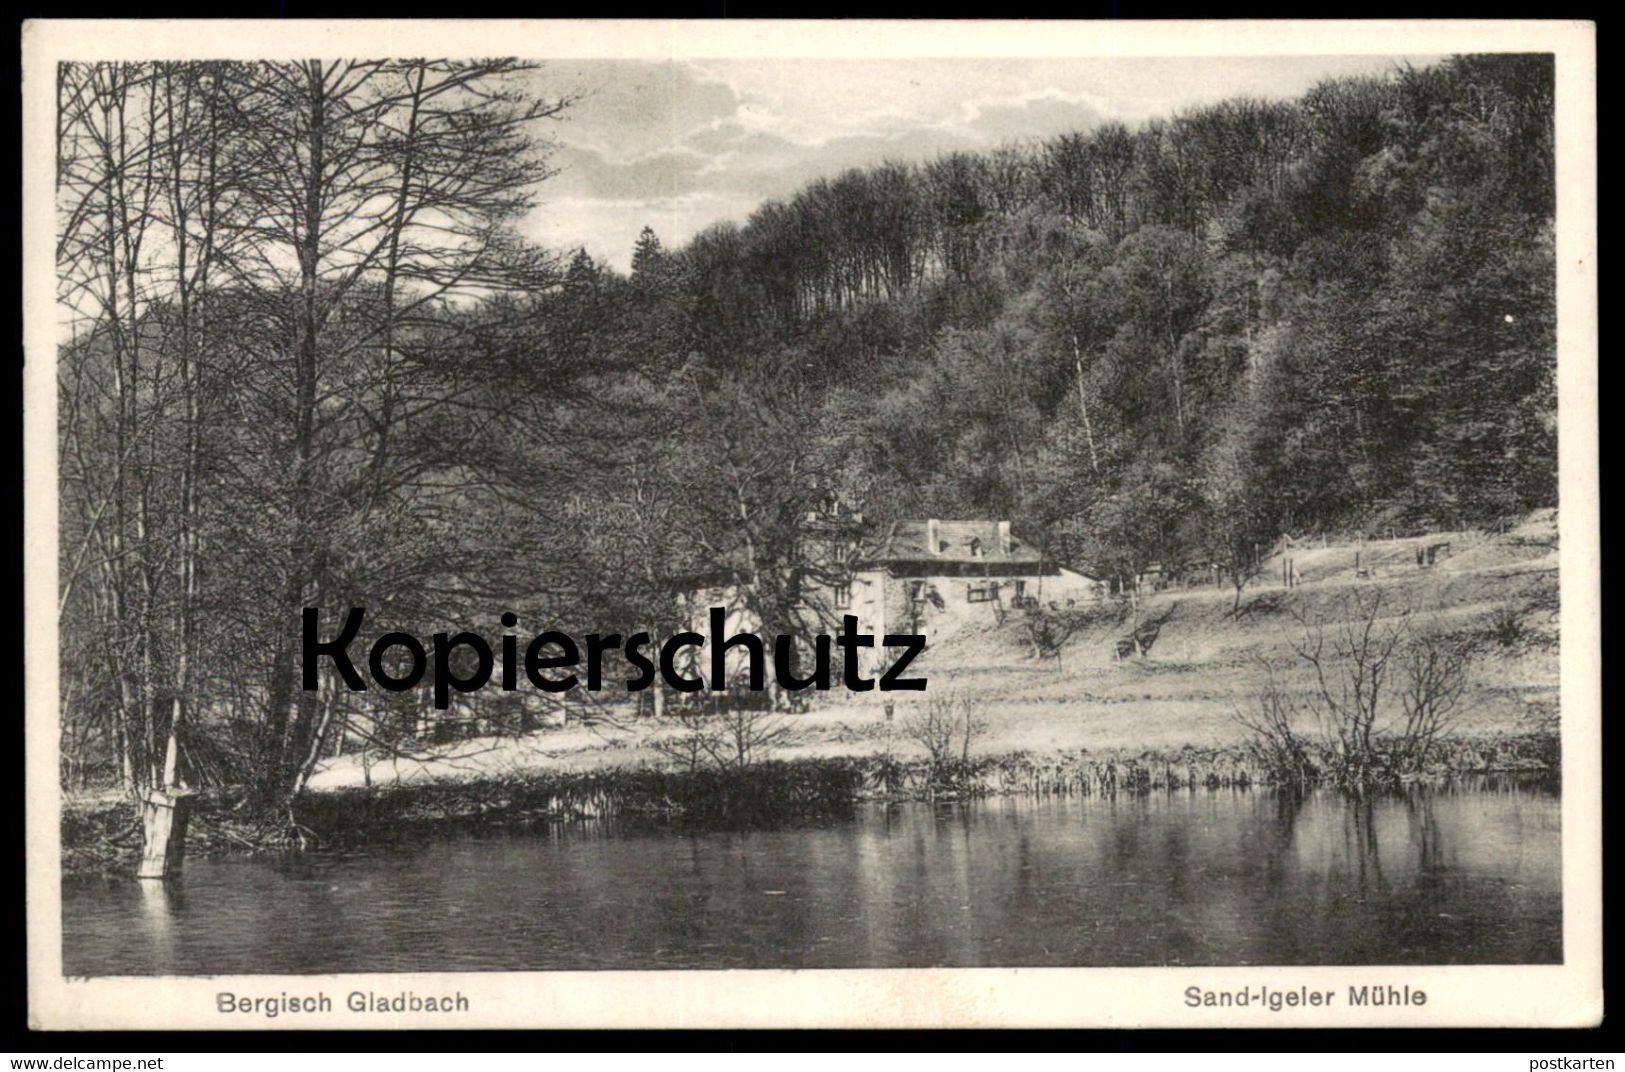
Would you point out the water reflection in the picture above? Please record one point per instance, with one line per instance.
(162, 909)
(1184, 878)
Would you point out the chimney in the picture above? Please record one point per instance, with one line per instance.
(1004, 538)
(931, 537)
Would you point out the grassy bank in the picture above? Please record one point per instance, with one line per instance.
(1075, 721)
(105, 835)
(1495, 596)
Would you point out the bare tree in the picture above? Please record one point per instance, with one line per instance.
(1433, 672)
(109, 155)
(732, 740)
(1383, 693)
(262, 263)
(946, 727)
(1277, 737)
(381, 190)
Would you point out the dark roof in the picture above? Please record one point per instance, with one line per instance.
(904, 545)
(910, 541)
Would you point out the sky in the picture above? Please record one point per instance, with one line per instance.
(682, 145)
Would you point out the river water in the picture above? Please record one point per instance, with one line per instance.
(1218, 878)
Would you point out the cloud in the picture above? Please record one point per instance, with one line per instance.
(586, 172)
(628, 109)
(1042, 114)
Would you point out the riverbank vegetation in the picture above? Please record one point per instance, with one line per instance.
(105, 835)
(1384, 696)
(1002, 721)
(1189, 344)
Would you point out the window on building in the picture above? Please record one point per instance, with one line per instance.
(1021, 589)
(916, 590)
(976, 548)
(843, 596)
(981, 592)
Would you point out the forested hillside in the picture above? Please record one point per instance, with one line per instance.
(1172, 343)
(315, 365)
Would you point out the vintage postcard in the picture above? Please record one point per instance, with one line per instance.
(676, 524)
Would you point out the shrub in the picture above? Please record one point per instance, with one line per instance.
(946, 728)
(1383, 695)
(1505, 625)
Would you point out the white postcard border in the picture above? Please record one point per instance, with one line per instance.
(1505, 996)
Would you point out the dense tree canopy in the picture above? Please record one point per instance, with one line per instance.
(1353, 292)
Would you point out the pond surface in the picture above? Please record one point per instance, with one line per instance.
(1214, 878)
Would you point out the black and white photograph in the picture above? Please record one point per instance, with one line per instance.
(639, 509)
